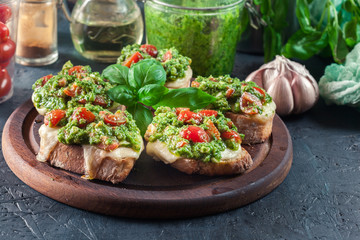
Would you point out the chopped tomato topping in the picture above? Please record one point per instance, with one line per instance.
(230, 124)
(212, 130)
(213, 79)
(179, 109)
(189, 117)
(208, 113)
(195, 84)
(83, 116)
(76, 69)
(229, 92)
(53, 117)
(195, 134)
(100, 100)
(62, 82)
(108, 147)
(181, 144)
(132, 59)
(45, 79)
(115, 119)
(167, 56)
(72, 91)
(262, 92)
(149, 49)
(231, 135)
(249, 103)
(82, 101)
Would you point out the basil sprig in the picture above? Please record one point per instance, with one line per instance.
(141, 87)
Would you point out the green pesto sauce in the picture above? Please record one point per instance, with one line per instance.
(218, 87)
(168, 129)
(98, 132)
(209, 38)
(51, 95)
(175, 68)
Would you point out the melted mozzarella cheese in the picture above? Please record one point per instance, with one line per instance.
(48, 141)
(160, 152)
(268, 110)
(181, 82)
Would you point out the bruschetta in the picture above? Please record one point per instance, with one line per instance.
(72, 86)
(91, 141)
(249, 107)
(196, 142)
(177, 67)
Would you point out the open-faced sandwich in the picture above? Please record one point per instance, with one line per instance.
(249, 107)
(79, 133)
(202, 142)
(177, 67)
(72, 86)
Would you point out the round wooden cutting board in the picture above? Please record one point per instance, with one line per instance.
(153, 189)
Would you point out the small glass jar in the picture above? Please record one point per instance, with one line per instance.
(101, 28)
(205, 31)
(8, 26)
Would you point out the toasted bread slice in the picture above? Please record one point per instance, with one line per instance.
(92, 162)
(181, 82)
(256, 128)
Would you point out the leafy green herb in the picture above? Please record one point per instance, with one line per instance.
(324, 24)
(141, 88)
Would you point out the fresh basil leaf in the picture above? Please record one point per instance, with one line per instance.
(303, 16)
(151, 94)
(352, 32)
(116, 74)
(272, 43)
(142, 115)
(304, 46)
(122, 94)
(148, 71)
(192, 98)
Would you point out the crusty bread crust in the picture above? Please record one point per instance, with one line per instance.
(181, 82)
(255, 130)
(229, 167)
(71, 158)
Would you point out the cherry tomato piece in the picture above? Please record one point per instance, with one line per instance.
(115, 119)
(189, 117)
(149, 49)
(229, 92)
(4, 32)
(167, 56)
(262, 92)
(181, 144)
(72, 90)
(195, 84)
(45, 79)
(195, 134)
(5, 13)
(76, 69)
(132, 59)
(100, 100)
(108, 147)
(83, 116)
(231, 135)
(212, 130)
(53, 117)
(5, 82)
(7, 50)
(249, 103)
(179, 109)
(208, 113)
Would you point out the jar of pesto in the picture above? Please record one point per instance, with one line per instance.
(205, 31)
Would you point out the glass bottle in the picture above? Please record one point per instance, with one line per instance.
(101, 28)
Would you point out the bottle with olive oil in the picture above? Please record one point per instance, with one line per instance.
(101, 28)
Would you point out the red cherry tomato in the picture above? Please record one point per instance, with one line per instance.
(195, 134)
(179, 109)
(76, 69)
(249, 103)
(195, 84)
(100, 100)
(7, 50)
(72, 90)
(212, 130)
(229, 92)
(149, 49)
(45, 79)
(5, 13)
(262, 92)
(231, 135)
(208, 113)
(116, 119)
(108, 147)
(132, 59)
(4, 32)
(189, 117)
(83, 116)
(53, 117)
(5, 82)
(167, 56)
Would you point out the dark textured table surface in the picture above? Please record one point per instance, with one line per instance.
(319, 199)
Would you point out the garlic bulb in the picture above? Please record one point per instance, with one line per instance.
(289, 83)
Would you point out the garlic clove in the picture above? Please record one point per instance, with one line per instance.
(284, 102)
(303, 93)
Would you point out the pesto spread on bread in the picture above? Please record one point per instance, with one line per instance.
(234, 95)
(201, 134)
